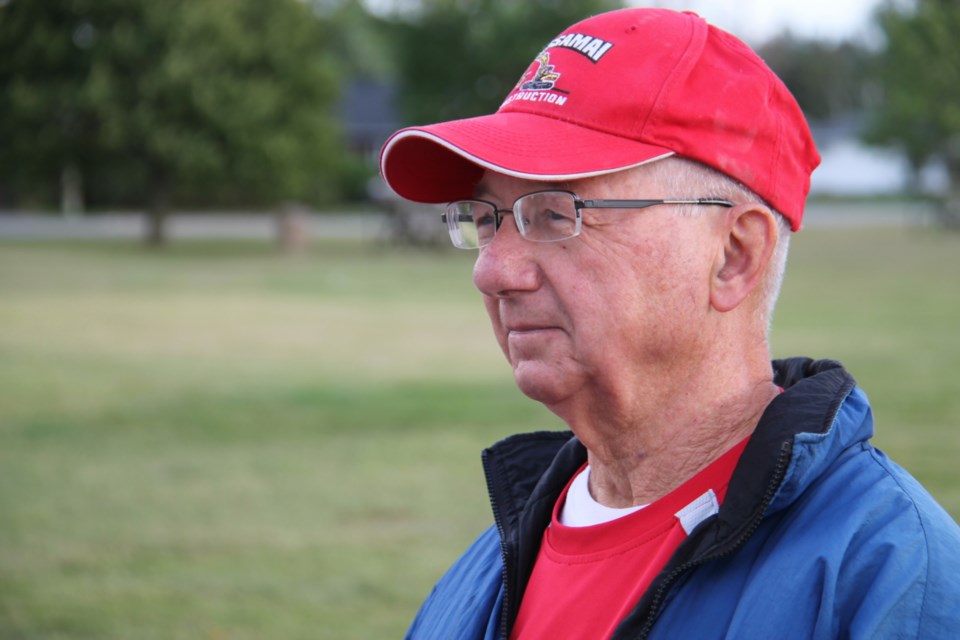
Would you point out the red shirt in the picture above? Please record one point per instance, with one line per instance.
(587, 579)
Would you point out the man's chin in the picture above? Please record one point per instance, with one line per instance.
(541, 382)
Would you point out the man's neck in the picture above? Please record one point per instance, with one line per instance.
(638, 456)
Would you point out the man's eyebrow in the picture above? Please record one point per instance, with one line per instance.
(481, 189)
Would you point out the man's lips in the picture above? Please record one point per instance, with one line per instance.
(529, 329)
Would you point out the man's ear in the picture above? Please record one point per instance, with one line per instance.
(749, 237)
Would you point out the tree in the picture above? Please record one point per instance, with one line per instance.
(359, 40)
(44, 59)
(827, 78)
(180, 97)
(919, 79)
(459, 58)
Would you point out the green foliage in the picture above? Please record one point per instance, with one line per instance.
(44, 59)
(827, 78)
(358, 40)
(168, 97)
(919, 75)
(457, 59)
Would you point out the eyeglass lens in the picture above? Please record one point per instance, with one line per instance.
(545, 216)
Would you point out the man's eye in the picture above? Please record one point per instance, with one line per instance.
(555, 218)
(484, 220)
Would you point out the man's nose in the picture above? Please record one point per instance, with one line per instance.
(508, 264)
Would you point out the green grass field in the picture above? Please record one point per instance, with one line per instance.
(217, 442)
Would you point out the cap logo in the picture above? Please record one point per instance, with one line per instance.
(592, 48)
(544, 77)
(538, 84)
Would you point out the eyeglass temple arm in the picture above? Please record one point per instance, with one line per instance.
(636, 204)
(641, 204)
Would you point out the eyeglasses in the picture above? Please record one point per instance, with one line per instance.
(541, 216)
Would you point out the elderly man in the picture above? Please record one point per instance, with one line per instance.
(632, 202)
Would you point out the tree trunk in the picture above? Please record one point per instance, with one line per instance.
(950, 216)
(950, 210)
(293, 228)
(71, 190)
(158, 210)
(156, 227)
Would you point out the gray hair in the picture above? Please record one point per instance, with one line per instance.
(688, 179)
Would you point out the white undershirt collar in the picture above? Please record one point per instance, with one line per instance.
(581, 510)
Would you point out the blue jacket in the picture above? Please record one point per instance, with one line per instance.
(820, 536)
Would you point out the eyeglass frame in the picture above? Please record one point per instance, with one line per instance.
(578, 204)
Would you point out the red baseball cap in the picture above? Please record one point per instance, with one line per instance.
(615, 91)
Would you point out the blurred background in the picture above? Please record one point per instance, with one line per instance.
(243, 388)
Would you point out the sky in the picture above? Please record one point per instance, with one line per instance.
(755, 21)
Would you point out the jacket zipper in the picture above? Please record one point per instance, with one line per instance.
(504, 553)
(786, 449)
